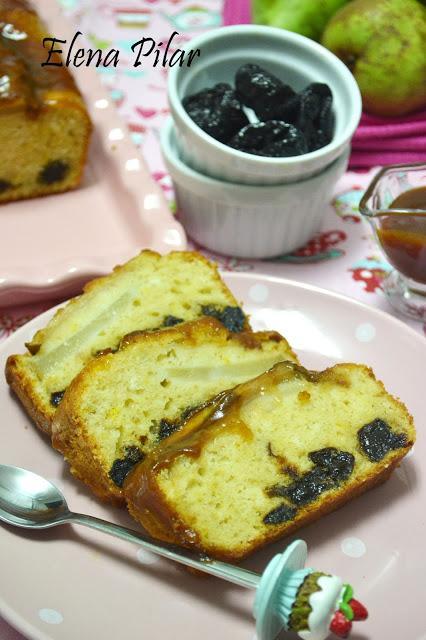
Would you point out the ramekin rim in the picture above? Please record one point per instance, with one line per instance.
(346, 134)
(165, 140)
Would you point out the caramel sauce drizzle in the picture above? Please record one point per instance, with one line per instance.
(21, 53)
(222, 413)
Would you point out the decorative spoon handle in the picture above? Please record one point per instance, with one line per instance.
(288, 595)
(237, 575)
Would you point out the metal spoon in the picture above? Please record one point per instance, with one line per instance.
(28, 500)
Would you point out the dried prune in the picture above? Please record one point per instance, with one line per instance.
(290, 110)
(56, 397)
(308, 487)
(280, 514)
(167, 427)
(171, 321)
(261, 90)
(188, 411)
(326, 119)
(232, 318)
(320, 132)
(377, 439)
(331, 468)
(290, 124)
(5, 185)
(337, 464)
(311, 112)
(53, 171)
(122, 466)
(273, 139)
(217, 111)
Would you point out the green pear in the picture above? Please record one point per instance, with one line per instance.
(383, 42)
(307, 17)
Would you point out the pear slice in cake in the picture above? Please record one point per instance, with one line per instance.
(273, 454)
(148, 292)
(123, 404)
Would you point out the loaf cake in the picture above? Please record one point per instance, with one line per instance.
(148, 292)
(123, 404)
(275, 453)
(44, 123)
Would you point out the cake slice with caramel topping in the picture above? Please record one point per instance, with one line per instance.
(273, 454)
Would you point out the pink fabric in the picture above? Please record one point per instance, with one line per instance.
(375, 158)
(406, 126)
(236, 12)
(377, 141)
(381, 141)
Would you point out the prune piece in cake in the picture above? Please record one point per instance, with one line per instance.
(332, 467)
(122, 466)
(261, 90)
(5, 185)
(217, 111)
(283, 513)
(273, 138)
(53, 171)
(308, 487)
(377, 439)
(56, 397)
(166, 428)
(338, 464)
(171, 321)
(232, 318)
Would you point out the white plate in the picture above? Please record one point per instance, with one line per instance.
(94, 586)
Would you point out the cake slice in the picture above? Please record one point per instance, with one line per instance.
(123, 404)
(149, 292)
(273, 454)
(42, 114)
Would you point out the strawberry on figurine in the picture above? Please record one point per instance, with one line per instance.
(349, 610)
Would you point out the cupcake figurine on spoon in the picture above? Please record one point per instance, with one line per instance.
(311, 603)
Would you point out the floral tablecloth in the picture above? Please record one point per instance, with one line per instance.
(343, 257)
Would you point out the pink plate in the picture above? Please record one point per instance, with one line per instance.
(70, 582)
(50, 245)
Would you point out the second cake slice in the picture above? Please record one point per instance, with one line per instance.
(123, 404)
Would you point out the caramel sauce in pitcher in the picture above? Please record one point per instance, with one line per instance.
(403, 238)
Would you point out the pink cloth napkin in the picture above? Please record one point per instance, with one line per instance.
(236, 12)
(381, 141)
(377, 141)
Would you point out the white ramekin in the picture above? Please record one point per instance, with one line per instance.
(244, 220)
(297, 61)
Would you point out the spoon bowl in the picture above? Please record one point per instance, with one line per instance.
(28, 500)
